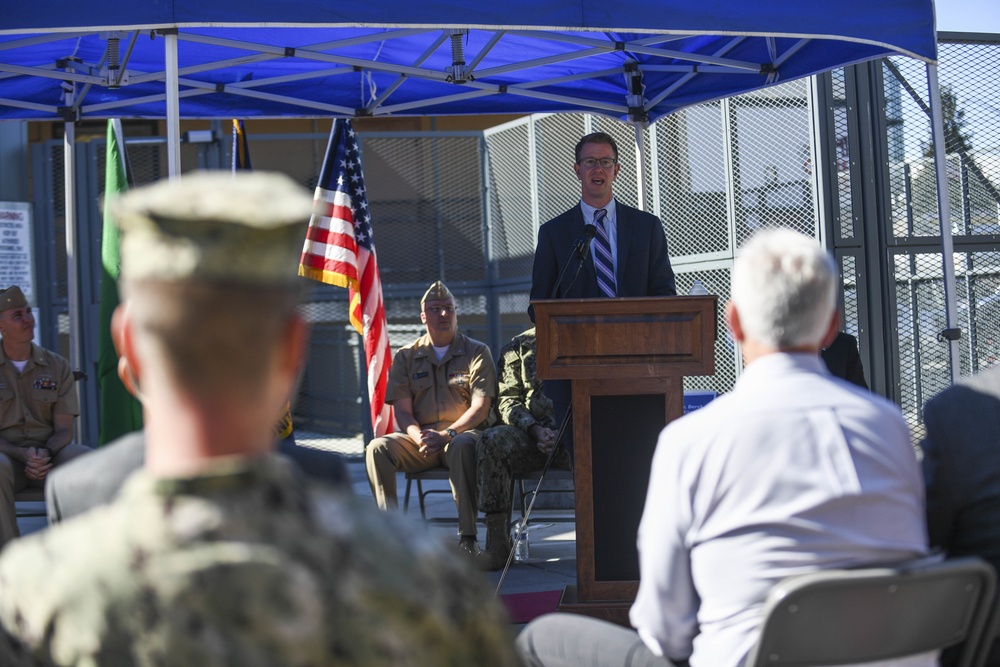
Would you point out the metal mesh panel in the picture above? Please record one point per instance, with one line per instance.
(147, 161)
(624, 136)
(513, 229)
(970, 88)
(59, 220)
(972, 147)
(329, 398)
(771, 150)
(555, 139)
(692, 181)
(979, 309)
(716, 281)
(851, 323)
(425, 195)
(844, 219)
(851, 280)
(513, 316)
(923, 360)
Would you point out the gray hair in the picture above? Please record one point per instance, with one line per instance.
(784, 289)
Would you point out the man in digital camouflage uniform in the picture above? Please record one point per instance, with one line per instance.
(38, 405)
(521, 444)
(441, 387)
(217, 552)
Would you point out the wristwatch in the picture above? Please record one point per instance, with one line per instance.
(451, 433)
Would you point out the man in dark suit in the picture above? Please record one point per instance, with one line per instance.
(638, 245)
(627, 255)
(962, 472)
(844, 360)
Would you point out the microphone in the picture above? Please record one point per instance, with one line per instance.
(589, 232)
(581, 249)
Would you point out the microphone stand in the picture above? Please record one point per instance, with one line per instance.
(522, 525)
(581, 249)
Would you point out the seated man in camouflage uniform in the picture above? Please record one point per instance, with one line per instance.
(217, 552)
(520, 445)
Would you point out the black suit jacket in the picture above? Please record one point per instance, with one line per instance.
(844, 360)
(962, 471)
(643, 263)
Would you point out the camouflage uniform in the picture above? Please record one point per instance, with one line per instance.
(504, 450)
(244, 564)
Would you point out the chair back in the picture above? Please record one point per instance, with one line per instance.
(843, 617)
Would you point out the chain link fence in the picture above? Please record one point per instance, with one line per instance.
(971, 117)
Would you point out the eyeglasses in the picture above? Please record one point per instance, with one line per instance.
(605, 162)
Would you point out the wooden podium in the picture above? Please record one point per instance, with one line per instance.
(626, 359)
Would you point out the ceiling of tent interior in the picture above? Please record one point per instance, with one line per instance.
(259, 58)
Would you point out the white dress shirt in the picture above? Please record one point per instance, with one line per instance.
(792, 471)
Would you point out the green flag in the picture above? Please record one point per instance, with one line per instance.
(121, 413)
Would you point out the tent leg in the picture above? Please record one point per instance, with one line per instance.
(640, 167)
(72, 257)
(944, 214)
(173, 106)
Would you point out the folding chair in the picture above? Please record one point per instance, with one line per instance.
(525, 491)
(30, 502)
(986, 654)
(438, 474)
(518, 482)
(840, 617)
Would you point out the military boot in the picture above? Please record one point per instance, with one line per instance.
(498, 542)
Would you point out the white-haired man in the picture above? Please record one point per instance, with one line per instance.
(792, 471)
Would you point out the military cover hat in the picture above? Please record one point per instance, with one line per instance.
(243, 227)
(12, 297)
(436, 292)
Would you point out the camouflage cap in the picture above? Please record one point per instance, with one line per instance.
(243, 227)
(436, 292)
(12, 297)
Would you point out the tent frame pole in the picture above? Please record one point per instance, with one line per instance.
(640, 168)
(952, 332)
(173, 105)
(72, 246)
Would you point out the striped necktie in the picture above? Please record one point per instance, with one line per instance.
(603, 261)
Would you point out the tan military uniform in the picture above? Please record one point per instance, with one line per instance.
(29, 402)
(245, 564)
(507, 449)
(441, 392)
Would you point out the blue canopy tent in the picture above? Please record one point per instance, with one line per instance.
(258, 58)
(634, 61)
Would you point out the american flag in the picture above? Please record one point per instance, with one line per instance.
(339, 250)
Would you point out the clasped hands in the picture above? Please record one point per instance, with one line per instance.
(432, 442)
(544, 437)
(37, 463)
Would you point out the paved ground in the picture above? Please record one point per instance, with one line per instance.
(551, 562)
